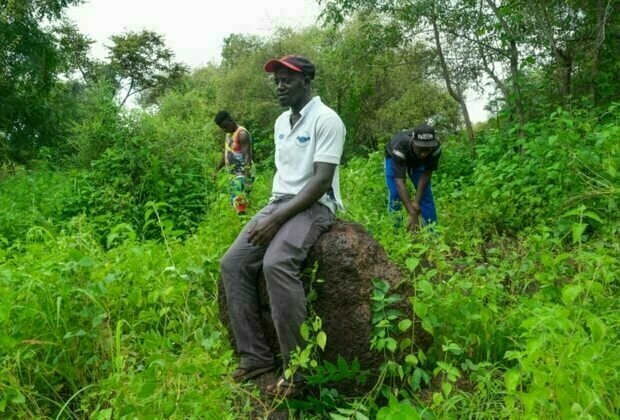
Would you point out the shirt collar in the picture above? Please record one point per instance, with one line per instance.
(307, 107)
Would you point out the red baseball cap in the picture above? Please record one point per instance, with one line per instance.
(294, 62)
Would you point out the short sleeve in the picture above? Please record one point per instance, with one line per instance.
(399, 164)
(330, 135)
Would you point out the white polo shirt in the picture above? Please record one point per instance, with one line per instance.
(318, 136)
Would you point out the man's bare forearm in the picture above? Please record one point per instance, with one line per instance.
(403, 194)
(421, 187)
(316, 187)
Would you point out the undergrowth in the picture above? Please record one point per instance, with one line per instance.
(108, 307)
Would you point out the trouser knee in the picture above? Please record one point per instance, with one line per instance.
(227, 264)
(283, 281)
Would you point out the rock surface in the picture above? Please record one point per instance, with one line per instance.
(348, 259)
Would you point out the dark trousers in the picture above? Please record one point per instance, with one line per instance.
(281, 262)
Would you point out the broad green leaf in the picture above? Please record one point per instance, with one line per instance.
(19, 398)
(578, 229)
(304, 331)
(321, 339)
(390, 344)
(360, 416)
(428, 326)
(420, 309)
(570, 293)
(404, 325)
(98, 319)
(512, 379)
(593, 216)
(598, 329)
(412, 263)
(411, 360)
(147, 389)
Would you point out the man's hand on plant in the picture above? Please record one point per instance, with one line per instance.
(414, 223)
(414, 218)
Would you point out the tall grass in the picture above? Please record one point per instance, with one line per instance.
(518, 284)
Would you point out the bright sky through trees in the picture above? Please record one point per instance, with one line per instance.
(195, 30)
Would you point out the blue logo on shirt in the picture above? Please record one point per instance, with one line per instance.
(303, 139)
(280, 136)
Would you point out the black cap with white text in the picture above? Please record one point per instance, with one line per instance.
(424, 136)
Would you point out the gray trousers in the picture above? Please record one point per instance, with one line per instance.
(281, 262)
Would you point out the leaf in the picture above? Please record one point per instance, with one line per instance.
(593, 216)
(381, 285)
(570, 293)
(19, 398)
(304, 331)
(598, 329)
(98, 319)
(578, 229)
(428, 326)
(70, 334)
(398, 410)
(412, 263)
(425, 286)
(321, 339)
(404, 325)
(147, 389)
(420, 309)
(512, 379)
(411, 360)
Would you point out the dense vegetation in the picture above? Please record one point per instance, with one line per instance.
(112, 223)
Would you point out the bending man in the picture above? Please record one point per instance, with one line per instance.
(414, 154)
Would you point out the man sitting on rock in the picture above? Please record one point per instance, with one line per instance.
(309, 139)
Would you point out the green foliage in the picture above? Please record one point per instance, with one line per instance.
(98, 126)
(522, 304)
(142, 62)
(149, 158)
(523, 310)
(29, 66)
(108, 272)
(557, 162)
(32, 200)
(128, 331)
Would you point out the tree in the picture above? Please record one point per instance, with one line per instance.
(74, 48)
(412, 18)
(142, 62)
(29, 66)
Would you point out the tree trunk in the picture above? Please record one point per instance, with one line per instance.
(602, 14)
(513, 54)
(565, 70)
(455, 93)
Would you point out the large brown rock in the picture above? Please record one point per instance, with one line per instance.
(349, 259)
